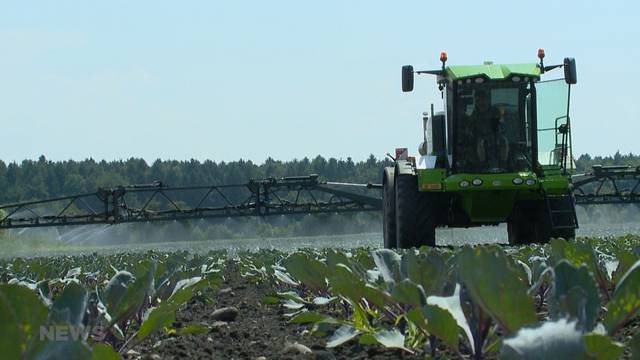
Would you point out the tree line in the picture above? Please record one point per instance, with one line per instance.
(42, 178)
(585, 162)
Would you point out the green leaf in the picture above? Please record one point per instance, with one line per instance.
(564, 250)
(578, 254)
(116, 288)
(494, 284)
(162, 316)
(70, 306)
(333, 258)
(436, 321)
(270, 300)
(104, 352)
(362, 258)
(322, 329)
(54, 350)
(575, 295)
(284, 278)
(134, 296)
(347, 284)
(21, 316)
(543, 278)
(428, 270)
(441, 323)
(193, 329)
(626, 259)
(73, 272)
(117, 332)
(184, 289)
(292, 300)
(186, 283)
(344, 282)
(452, 305)
(408, 293)
(311, 272)
(602, 347)
(528, 274)
(538, 266)
(322, 301)
(214, 278)
(44, 291)
(551, 340)
(290, 304)
(416, 317)
(388, 262)
(342, 335)
(377, 297)
(367, 339)
(290, 315)
(390, 338)
(360, 320)
(311, 317)
(625, 302)
(291, 295)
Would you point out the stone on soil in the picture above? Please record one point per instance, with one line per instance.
(224, 291)
(297, 348)
(225, 314)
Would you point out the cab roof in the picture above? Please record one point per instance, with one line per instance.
(492, 71)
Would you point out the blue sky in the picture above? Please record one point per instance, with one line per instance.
(286, 79)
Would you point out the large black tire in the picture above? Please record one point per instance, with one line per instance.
(427, 207)
(389, 209)
(415, 214)
(406, 200)
(521, 232)
(532, 224)
(521, 227)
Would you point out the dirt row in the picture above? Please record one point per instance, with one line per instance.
(258, 331)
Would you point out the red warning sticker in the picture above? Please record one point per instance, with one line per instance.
(402, 153)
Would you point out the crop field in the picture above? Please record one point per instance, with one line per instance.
(578, 299)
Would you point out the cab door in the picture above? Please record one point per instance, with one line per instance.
(553, 124)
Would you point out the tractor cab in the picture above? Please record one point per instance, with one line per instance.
(490, 125)
(501, 118)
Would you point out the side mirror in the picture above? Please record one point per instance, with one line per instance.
(570, 75)
(423, 149)
(407, 78)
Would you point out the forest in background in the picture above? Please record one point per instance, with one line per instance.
(42, 179)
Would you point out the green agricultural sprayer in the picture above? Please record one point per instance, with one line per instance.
(499, 152)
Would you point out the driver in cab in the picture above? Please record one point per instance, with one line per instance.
(486, 124)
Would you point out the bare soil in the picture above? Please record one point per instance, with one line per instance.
(262, 331)
(258, 331)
